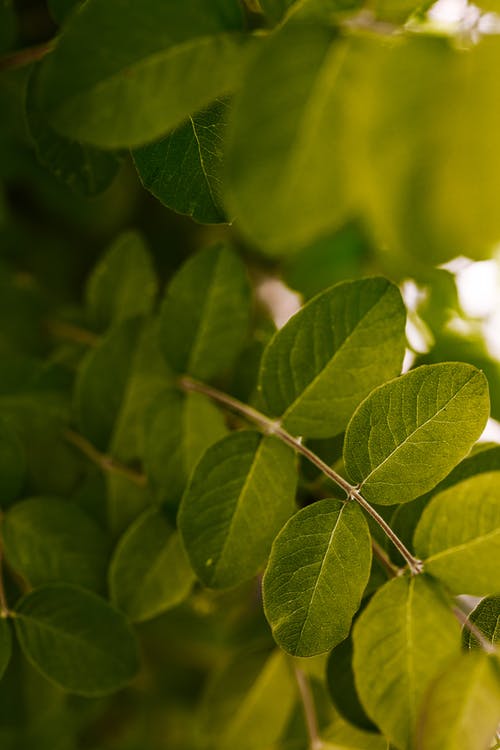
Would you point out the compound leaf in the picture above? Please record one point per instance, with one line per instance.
(240, 494)
(76, 639)
(149, 572)
(406, 621)
(317, 572)
(205, 315)
(458, 535)
(331, 354)
(409, 433)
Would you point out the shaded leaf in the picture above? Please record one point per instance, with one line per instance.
(5, 645)
(47, 539)
(341, 687)
(205, 315)
(317, 572)
(486, 617)
(183, 170)
(458, 535)
(240, 494)
(12, 463)
(331, 354)
(406, 621)
(76, 639)
(149, 68)
(149, 571)
(409, 433)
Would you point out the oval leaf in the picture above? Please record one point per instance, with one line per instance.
(183, 170)
(486, 617)
(76, 640)
(149, 572)
(241, 493)
(409, 433)
(331, 354)
(406, 621)
(150, 68)
(317, 572)
(47, 540)
(462, 709)
(458, 536)
(205, 315)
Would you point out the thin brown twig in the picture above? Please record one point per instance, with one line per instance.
(307, 699)
(22, 57)
(102, 460)
(62, 330)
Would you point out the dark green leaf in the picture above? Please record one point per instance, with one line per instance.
(149, 572)
(317, 572)
(486, 617)
(331, 354)
(5, 645)
(123, 284)
(76, 639)
(178, 429)
(149, 68)
(462, 709)
(12, 463)
(8, 25)
(240, 494)
(205, 314)
(183, 170)
(407, 620)
(84, 169)
(409, 433)
(47, 540)
(60, 9)
(340, 680)
(458, 535)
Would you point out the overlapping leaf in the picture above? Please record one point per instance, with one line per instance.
(486, 617)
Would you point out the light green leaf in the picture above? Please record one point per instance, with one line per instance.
(149, 572)
(102, 380)
(150, 67)
(402, 640)
(291, 185)
(331, 354)
(317, 572)
(123, 284)
(249, 702)
(183, 170)
(241, 492)
(486, 617)
(178, 429)
(275, 9)
(12, 463)
(75, 639)
(47, 540)
(409, 433)
(5, 645)
(205, 315)
(84, 169)
(343, 736)
(462, 709)
(458, 535)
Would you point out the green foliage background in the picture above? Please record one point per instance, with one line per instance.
(215, 534)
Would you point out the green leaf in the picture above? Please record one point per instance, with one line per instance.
(148, 71)
(123, 284)
(149, 571)
(486, 617)
(102, 380)
(341, 687)
(409, 433)
(205, 315)
(343, 736)
(275, 9)
(402, 640)
(84, 169)
(458, 535)
(183, 170)
(75, 639)
(241, 492)
(47, 540)
(178, 429)
(331, 354)
(249, 702)
(291, 185)
(8, 25)
(317, 572)
(12, 463)
(60, 9)
(462, 709)
(5, 645)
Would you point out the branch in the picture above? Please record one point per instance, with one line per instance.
(26, 56)
(273, 427)
(102, 460)
(69, 332)
(307, 699)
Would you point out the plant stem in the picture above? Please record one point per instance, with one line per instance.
(307, 699)
(26, 56)
(70, 332)
(4, 607)
(102, 460)
(463, 618)
(273, 427)
(392, 570)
